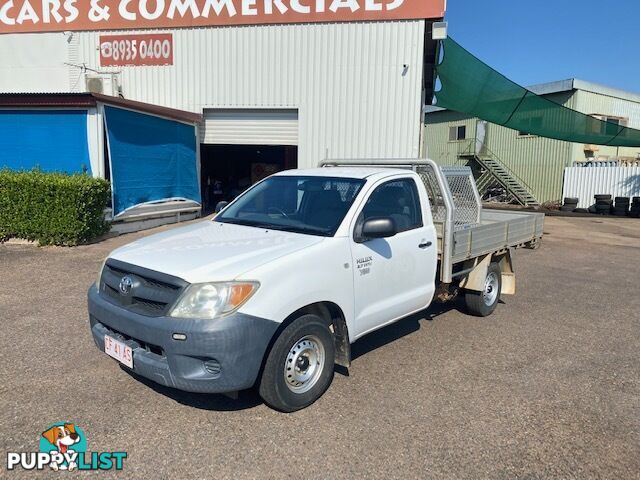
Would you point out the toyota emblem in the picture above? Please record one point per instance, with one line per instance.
(125, 285)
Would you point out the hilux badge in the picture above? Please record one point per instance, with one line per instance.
(125, 285)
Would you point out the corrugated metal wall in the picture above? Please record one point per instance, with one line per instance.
(585, 182)
(596, 104)
(540, 162)
(436, 136)
(34, 62)
(354, 96)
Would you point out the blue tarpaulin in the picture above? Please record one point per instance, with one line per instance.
(151, 158)
(52, 140)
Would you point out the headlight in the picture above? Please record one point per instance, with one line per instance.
(210, 300)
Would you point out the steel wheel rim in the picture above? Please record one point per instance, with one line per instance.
(491, 287)
(304, 364)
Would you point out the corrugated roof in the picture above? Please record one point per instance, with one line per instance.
(88, 100)
(566, 86)
(577, 84)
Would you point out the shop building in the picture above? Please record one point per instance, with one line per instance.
(275, 85)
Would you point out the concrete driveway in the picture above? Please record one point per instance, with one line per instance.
(548, 387)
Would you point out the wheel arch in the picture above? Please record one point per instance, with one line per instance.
(336, 320)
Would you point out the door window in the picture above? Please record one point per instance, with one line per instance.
(397, 199)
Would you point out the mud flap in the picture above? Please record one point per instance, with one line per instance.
(475, 279)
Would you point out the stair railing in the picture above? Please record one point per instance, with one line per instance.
(468, 149)
(497, 160)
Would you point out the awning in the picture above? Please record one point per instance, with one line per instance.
(51, 140)
(472, 87)
(152, 159)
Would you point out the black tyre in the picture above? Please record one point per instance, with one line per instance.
(567, 208)
(571, 201)
(636, 200)
(602, 197)
(483, 304)
(581, 210)
(604, 202)
(299, 367)
(622, 200)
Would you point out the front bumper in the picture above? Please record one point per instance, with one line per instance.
(221, 355)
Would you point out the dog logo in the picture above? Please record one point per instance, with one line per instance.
(63, 447)
(62, 437)
(125, 285)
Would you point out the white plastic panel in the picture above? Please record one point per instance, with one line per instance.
(585, 182)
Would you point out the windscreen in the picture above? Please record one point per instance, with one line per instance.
(309, 205)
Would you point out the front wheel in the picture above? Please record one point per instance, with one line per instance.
(299, 367)
(483, 304)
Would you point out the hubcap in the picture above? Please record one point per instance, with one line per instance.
(491, 287)
(304, 364)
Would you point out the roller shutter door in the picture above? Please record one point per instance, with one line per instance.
(250, 127)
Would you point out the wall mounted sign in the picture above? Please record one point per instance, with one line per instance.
(136, 50)
(73, 15)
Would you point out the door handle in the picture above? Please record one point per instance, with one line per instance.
(425, 245)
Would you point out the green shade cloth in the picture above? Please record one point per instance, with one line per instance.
(470, 86)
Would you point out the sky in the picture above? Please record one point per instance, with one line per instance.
(541, 41)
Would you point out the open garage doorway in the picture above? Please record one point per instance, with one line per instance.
(241, 146)
(228, 170)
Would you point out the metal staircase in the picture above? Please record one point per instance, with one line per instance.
(495, 172)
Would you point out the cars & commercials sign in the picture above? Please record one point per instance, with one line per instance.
(76, 15)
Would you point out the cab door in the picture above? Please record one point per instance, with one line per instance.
(393, 277)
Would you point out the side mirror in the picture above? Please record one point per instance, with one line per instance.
(383, 227)
(221, 206)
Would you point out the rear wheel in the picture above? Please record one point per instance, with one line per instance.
(483, 304)
(299, 367)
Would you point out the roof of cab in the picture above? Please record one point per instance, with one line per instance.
(344, 172)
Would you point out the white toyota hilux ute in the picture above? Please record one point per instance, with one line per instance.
(274, 290)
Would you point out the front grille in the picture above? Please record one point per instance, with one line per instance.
(150, 304)
(151, 293)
